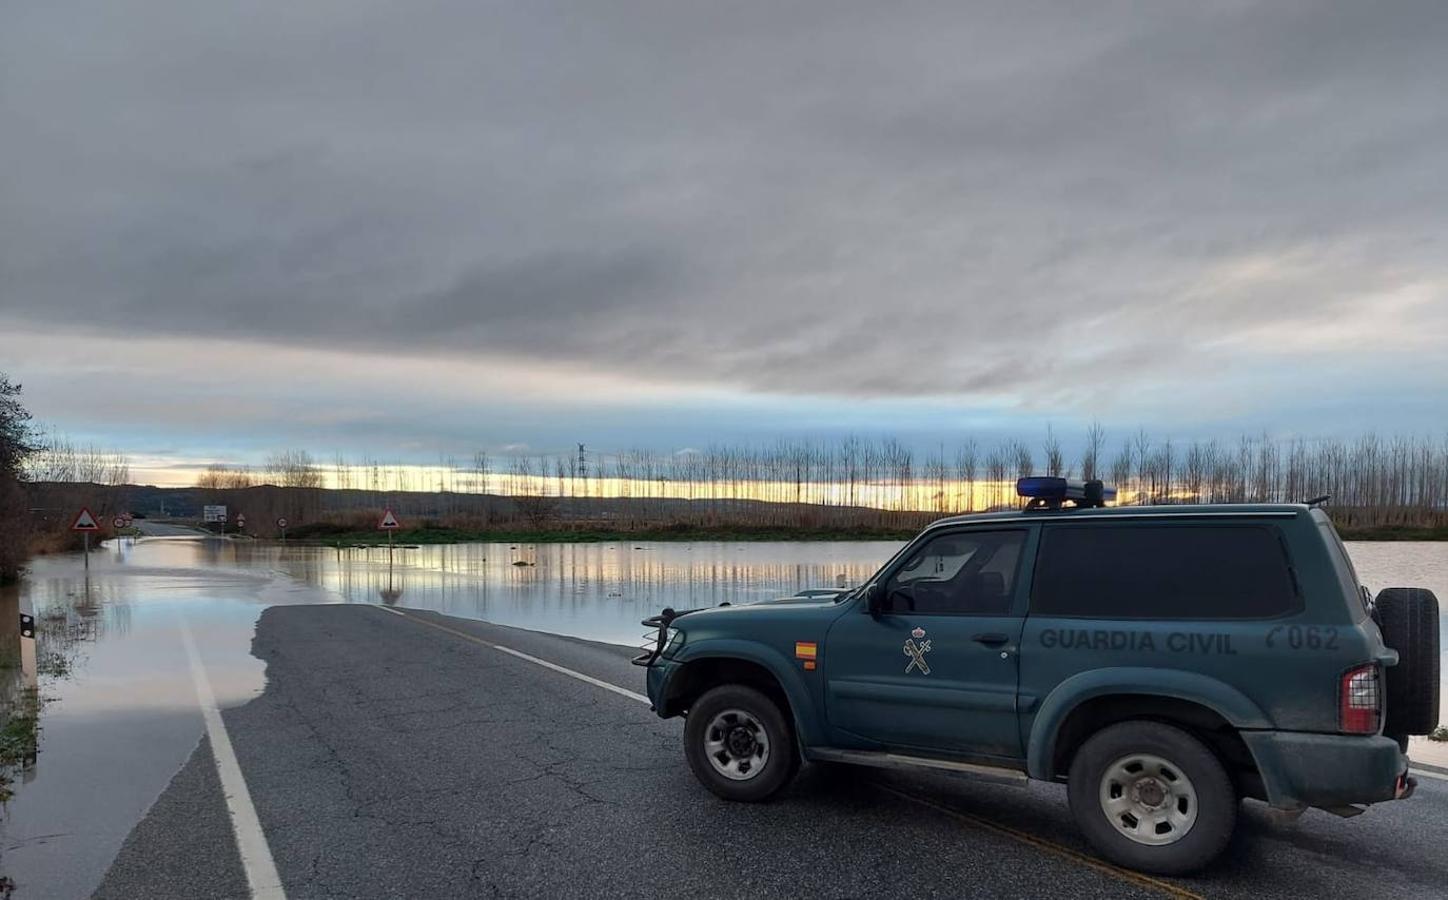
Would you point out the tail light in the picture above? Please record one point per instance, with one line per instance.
(1360, 700)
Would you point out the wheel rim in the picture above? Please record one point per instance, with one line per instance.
(1148, 799)
(736, 744)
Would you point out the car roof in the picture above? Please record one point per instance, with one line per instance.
(1173, 511)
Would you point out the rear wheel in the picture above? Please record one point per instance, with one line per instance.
(738, 743)
(1152, 797)
(1408, 618)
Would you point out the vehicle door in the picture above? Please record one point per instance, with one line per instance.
(928, 659)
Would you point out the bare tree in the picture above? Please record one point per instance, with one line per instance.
(1091, 457)
(294, 468)
(1055, 459)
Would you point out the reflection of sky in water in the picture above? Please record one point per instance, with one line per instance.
(594, 591)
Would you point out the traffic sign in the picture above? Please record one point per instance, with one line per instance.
(213, 513)
(119, 521)
(85, 521)
(241, 520)
(389, 521)
(282, 522)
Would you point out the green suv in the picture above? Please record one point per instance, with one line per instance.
(1163, 662)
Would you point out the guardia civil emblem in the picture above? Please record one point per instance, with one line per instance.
(916, 647)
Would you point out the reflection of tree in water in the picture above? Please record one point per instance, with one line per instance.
(70, 614)
(613, 579)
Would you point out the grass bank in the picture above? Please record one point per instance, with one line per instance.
(1393, 533)
(335, 536)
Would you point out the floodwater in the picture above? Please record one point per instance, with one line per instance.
(121, 716)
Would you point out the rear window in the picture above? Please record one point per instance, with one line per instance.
(1163, 572)
(1342, 567)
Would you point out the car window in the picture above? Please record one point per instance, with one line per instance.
(1163, 572)
(970, 573)
(1342, 566)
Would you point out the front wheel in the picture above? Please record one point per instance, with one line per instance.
(1152, 797)
(738, 743)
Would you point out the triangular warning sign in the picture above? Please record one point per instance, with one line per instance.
(85, 522)
(389, 521)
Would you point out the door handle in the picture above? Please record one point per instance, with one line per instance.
(992, 639)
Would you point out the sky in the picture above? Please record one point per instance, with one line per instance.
(419, 229)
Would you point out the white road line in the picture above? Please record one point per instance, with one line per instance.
(1421, 773)
(524, 656)
(256, 858)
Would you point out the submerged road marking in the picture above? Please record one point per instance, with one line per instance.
(256, 858)
(1076, 856)
(596, 682)
(1051, 847)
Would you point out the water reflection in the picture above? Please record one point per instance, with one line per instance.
(593, 591)
(119, 715)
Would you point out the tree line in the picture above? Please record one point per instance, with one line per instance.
(1372, 481)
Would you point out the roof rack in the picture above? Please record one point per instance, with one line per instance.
(1049, 492)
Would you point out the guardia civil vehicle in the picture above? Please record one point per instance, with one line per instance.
(1163, 662)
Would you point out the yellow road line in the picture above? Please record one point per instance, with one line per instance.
(1051, 847)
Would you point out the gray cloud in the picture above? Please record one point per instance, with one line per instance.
(790, 198)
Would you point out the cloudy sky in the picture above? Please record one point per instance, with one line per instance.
(425, 227)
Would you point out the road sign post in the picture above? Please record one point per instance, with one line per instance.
(215, 513)
(85, 523)
(389, 525)
(282, 524)
(240, 522)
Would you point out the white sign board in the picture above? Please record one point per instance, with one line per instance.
(213, 513)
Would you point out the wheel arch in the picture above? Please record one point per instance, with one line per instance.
(1090, 701)
(709, 666)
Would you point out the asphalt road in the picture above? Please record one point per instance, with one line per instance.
(393, 756)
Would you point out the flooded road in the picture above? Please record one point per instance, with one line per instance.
(121, 714)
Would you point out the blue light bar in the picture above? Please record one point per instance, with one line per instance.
(1046, 487)
(1050, 490)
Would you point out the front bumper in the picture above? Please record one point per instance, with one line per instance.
(656, 680)
(1327, 770)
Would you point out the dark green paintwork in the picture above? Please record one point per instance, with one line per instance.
(1274, 681)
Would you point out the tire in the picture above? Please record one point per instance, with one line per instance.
(1177, 781)
(1408, 618)
(739, 744)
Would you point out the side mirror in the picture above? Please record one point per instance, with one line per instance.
(875, 599)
